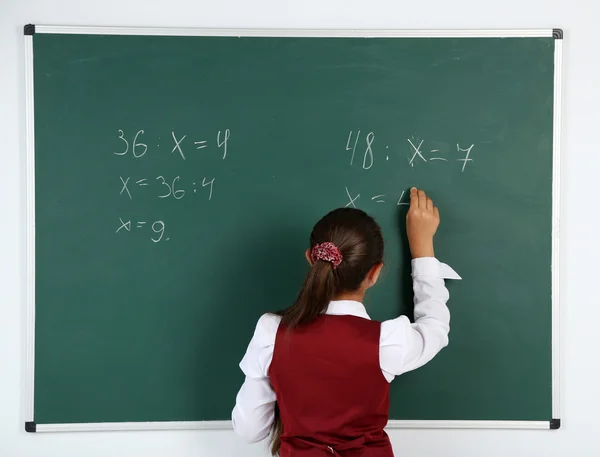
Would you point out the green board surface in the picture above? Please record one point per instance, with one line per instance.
(178, 179)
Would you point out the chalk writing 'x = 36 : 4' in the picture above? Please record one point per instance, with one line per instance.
(168, 188)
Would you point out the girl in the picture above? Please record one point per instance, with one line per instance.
(318, 373)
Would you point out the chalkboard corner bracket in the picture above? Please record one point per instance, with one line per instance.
(29, 29)
(30, 427)
(554, 424)
(557, 34)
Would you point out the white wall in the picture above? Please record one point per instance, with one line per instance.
(580, 248)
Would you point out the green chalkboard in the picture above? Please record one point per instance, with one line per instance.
(177, 179)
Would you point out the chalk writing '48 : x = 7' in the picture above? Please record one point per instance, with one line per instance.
(416, 153)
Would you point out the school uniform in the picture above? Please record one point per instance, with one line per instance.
(331, 377)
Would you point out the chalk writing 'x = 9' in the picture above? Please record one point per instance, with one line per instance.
(158, 227)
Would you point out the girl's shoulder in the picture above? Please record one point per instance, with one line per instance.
(267, 325)
(259, 353)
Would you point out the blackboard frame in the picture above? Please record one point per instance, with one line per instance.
(30, 30)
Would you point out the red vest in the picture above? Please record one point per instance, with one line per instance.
(332, 396)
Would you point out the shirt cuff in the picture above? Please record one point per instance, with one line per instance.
(430, 266)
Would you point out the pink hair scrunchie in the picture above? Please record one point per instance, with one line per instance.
(328, 252)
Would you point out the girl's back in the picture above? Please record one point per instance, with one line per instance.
(318, 372)
(329, 384)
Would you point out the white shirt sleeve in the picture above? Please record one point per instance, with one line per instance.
(254, 409)
(404, 346)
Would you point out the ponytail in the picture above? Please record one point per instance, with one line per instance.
(276, 432)
(317, 291)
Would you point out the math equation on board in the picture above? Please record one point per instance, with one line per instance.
(161, 186)
(362, 152)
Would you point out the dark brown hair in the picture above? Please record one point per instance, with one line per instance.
(358, 238)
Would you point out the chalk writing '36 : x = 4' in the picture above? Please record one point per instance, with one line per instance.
(139, 149)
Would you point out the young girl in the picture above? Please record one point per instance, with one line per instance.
(318, 373)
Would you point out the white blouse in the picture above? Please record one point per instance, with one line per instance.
(403, 346)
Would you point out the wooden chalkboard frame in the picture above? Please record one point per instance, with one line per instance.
(30, 30)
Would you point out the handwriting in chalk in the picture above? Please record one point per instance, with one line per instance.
(162, 186)
(402, 201)
(135, 150)
(436, 154)
(353, 148)
(368, 154)
(378, 198)
(125, 188)
(124, 225)
(368, 158)
(224, 142)
(418, 152)
(435, 151)
(160, 230)
(365, 154)
(158, 227)
(352, 200)
(122, 137)
(466, 159)
(209, 183)
(178, 144)
(167, 187)
(137, 155)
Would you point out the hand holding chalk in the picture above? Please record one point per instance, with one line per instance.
(422, 221)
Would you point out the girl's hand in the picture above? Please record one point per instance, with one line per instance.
(422, 221)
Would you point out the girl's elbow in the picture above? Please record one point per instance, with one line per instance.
(442, 342)
(445, 339)
(252, 436)
(249, 433)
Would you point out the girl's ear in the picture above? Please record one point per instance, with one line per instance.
(373, 275)
(308, 259)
